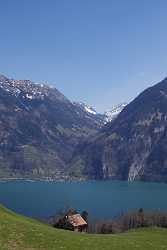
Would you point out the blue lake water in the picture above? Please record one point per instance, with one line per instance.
(102, 199)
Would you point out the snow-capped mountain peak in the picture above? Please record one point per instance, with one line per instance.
(105, 117)
(30, 90)
(114, 112)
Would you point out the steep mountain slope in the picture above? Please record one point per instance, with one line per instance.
(86, 108)
(134, 145)
(18, 233)
(111, 114)
(91, 113)
(39, 129)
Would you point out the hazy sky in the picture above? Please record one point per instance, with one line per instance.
(101, 52)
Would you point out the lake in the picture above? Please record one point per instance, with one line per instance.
(102, 199)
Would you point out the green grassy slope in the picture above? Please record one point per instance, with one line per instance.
(21, 233)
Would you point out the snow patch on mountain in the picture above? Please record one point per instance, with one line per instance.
(29, 96)
(30, 90)
(114, 112)
(90, 110)
(86, 108)
(27, 89)
(105, 117)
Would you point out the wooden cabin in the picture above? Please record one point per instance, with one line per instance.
(77, 223)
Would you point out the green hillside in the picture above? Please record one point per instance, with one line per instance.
(21, 233)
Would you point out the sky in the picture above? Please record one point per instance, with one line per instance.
(101, 52)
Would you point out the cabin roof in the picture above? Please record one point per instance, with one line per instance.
(76, 220)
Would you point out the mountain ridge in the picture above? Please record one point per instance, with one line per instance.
(39, 128)
(43, 135)
(106, 116)
(133, 146)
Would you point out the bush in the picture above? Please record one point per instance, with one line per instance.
(132, 220)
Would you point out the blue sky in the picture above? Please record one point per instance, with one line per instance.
(100, 52)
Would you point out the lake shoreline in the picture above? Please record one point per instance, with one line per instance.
(46, 179)
(102, 199)
(70, 179)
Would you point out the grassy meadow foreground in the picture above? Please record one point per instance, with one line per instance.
(21, 233)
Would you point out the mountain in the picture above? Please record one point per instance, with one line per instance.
(45, 135)
(39, 129)
(91, 113)
(105, 117)
(86, 108)
(111, 114)
(131, 147)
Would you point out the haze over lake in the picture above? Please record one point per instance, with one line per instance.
(102, 199)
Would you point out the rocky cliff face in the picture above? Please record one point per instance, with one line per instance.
(133, 146)
(39, 129)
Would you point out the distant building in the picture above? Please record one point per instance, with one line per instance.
(77, 223)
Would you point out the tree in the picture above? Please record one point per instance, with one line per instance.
(85, 215)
